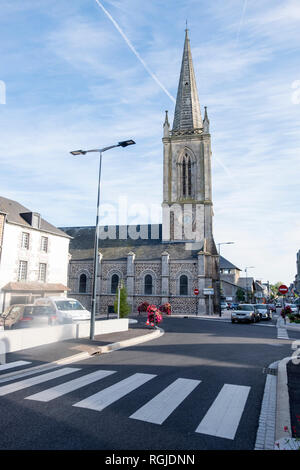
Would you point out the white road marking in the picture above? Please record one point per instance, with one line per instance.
(5, 389)
(11, 365)
(162, 405)
(282, 333)
(223, 417)
(109, 395)
(59, 390)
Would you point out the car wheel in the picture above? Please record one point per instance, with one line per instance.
(232, 321)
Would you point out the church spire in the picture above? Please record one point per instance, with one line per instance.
(187, 110)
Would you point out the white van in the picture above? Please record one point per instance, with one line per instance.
(66, 309)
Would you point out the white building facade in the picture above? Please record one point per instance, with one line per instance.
(34, 256)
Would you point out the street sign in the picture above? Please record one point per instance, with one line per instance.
(283, 289)
(196, 291)
(208, 291)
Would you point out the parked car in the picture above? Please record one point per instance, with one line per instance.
(224, 306)
(245, 313)
(66, 309)
(293, 307)
(234, 305)
(27, 315)
(264, 311)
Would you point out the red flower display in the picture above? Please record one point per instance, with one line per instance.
(154, 315)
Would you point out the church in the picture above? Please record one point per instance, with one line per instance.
(165, 262)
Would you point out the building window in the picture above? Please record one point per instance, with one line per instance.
(148, 285)
(25, 240)
(82, 283)
(186, 176)
(42, 272)
(22, 273)
(44, 244)
(114, 283)
(183, 285)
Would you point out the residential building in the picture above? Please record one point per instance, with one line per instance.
(34, 255)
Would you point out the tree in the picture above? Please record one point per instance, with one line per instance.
(124, 306)
(240, 295)
(274, 289)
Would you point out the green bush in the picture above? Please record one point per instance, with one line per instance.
(124, 306)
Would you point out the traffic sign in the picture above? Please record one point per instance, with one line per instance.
(208, 291)
(196, 291)
(283, 289)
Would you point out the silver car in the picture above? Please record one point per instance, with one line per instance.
(264, 311)
(245, 313)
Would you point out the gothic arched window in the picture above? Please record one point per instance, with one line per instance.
(82, 283)
(114, 283)
(186, 176)
(189, 177)
(148, 285)
(183, 285)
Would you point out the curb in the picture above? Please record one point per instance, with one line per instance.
(283, 420)
(129, 342)
(85, 355)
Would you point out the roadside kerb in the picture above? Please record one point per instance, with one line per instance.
(84, 355)
(130, 342)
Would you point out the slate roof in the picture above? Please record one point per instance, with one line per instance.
(225, 264)
(13, 211)
(150, 247)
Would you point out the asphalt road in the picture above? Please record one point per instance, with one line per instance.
(208, 376)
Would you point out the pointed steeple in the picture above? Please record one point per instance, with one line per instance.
(187, 110)
(205, 122)
(166, 126)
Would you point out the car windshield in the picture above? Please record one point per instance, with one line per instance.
(68, 305)
(248, 308)
(262, 306)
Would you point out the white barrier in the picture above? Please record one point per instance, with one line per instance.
(16, 340)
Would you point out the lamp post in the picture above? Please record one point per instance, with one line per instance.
(124, 143)
(223, 243)
(246, 271)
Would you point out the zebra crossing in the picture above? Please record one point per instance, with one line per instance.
(221, 420)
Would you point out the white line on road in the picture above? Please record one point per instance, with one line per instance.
(11, 365)
(162, 405)
(223, 417)
(109, 395)
(59, 390)
(5, 389)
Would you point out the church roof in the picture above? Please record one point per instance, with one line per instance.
(187, 110)
(149, 245)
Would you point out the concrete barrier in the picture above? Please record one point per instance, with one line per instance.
(16, 340)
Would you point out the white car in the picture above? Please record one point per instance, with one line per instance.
(293, 307)
(264, 312)
(66, 309)
(245, 313)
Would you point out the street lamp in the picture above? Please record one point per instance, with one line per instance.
(223, 243)
(124, 143)
(246, 271)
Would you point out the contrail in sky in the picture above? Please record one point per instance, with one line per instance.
(130, 45)
(241, 21)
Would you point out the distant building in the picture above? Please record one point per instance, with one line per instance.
(34, 255)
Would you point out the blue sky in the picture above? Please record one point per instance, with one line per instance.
(73, 82)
